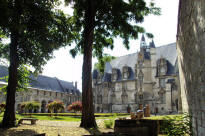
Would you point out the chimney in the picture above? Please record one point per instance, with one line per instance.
(76, 84)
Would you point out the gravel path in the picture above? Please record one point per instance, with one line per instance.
(53, 128)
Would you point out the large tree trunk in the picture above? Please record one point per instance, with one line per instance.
(9, 119)
(191, 60)
(88, 118)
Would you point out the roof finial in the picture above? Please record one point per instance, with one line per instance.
(143, 42)
(142, 38)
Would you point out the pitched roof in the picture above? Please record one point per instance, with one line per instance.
(167, 51)
(46, 83)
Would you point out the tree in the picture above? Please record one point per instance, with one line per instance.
(100, 66)
(35, 28)
(55, 106)
(191, 60)
(75, 106)
(98, 22)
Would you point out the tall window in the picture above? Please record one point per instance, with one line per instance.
(114, 74)
(125, 72)
(162, 83)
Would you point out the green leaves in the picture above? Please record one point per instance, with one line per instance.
(100, 66)
(113, 18)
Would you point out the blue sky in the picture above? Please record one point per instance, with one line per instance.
(164, 28)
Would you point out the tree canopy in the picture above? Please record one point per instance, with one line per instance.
(35, 29)
(96, 23)
(100, 65)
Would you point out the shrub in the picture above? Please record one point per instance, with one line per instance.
(75, 106)
(180, 126)
(29, 106)
(108, 123)
(55, 106)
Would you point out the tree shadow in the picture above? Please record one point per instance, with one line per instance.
(17, 132)
(97, 132)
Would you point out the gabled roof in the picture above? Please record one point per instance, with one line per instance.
(45, 83)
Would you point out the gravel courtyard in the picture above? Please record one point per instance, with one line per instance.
(53, 128)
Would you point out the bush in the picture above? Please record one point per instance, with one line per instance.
(55, 106)
(75, 106)
(29, 106)
(108, 123)
(177, 127)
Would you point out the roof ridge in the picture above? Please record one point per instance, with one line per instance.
(125, 55)
(166, 45)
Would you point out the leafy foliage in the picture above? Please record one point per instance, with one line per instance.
(30, 106)
(112, 19)
(108, 123)
(41, 29)
(23, 79)
(35, 28)
(180, 126)
(55, 106)
(96, 23)
(100, 65)
(75, 106)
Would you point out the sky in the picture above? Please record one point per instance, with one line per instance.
(163, 27)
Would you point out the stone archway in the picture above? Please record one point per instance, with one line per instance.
(43, 106)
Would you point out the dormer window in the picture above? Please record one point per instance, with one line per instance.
(114, 74)
(162, 67)
(125, 72)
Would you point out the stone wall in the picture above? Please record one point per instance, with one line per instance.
(191, 60)
(41, 96)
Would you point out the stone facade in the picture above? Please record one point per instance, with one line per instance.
(191, 50)
(149, 76)
(44, 90)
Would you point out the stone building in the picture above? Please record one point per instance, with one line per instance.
(149, 76)
(44, 90)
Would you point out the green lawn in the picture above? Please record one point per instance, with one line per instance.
(65, 118)
(165, 117)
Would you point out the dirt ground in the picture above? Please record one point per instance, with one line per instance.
(53, 128)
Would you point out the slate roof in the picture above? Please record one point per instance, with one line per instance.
(46, 83)
(167, 51)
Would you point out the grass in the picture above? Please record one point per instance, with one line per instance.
(69, 117)
(165, 117)
(66, 118)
